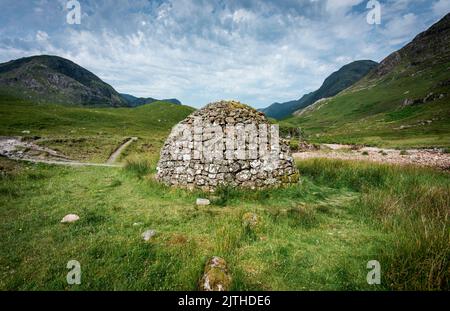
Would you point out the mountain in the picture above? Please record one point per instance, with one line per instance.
(139, 101)
(335, 83)
(428, 48)
(172, 100)
(404, 101)
(134, 101)
(53, 79)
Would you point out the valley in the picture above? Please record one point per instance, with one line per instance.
(402, 103)
(373, 184)
(89, 134)
(317, 234)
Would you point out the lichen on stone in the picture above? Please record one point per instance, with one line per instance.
(216, 276)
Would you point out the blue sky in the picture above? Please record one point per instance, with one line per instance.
(199, 51)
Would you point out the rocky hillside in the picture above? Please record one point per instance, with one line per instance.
(335, 83)
(429, 48)
(52, 79)
(403, 102)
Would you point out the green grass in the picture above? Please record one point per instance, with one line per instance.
(138, 166)
(412, 204)
(90, 134)
(319, 234)
(371, 112)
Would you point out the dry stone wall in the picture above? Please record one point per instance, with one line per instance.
(226, 143)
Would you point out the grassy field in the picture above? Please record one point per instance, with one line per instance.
(371, 112)
(90, 134)
(317, 235)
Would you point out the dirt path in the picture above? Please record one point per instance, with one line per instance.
(421, 157)
(70, 163)
(16, 149)
(115, 155)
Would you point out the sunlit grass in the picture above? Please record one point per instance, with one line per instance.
(319, 234)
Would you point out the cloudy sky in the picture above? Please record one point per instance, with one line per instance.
(198, 51)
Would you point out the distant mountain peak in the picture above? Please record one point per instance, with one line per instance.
(134, 101)
(53, 79)
(335, 83)
(423, 48)
(404, 101)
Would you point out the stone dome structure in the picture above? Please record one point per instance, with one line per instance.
(226, 143)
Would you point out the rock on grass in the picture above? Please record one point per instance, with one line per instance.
(216, 276)
(148, 235)
(70, 218)
(203, 202)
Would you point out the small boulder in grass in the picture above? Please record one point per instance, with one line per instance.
(203, 202)
(70, 218)
(148, 235)
(216, 276)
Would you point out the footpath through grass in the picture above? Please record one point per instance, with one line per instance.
(317, 235)
(90, 134)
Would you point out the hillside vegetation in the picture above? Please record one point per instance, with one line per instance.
(335, 83)
(405, 102)
(89, 134)
(53, 79)
(318, 234)
(134, 101)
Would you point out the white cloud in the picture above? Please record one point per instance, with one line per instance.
(399, 29)
(42, 36)
(338, 5)
(441, 7)
(198, 51)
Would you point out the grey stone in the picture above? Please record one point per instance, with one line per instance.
(148, 235)
(70, 218)
(216, 276)
(203, 202)
(243, 176)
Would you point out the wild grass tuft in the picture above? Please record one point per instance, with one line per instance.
(138, 166)
(412, 205)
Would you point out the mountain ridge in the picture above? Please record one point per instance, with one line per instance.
(336, 82)
(405, 101)
(134, 101)
(421, 48)
(54, 79)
